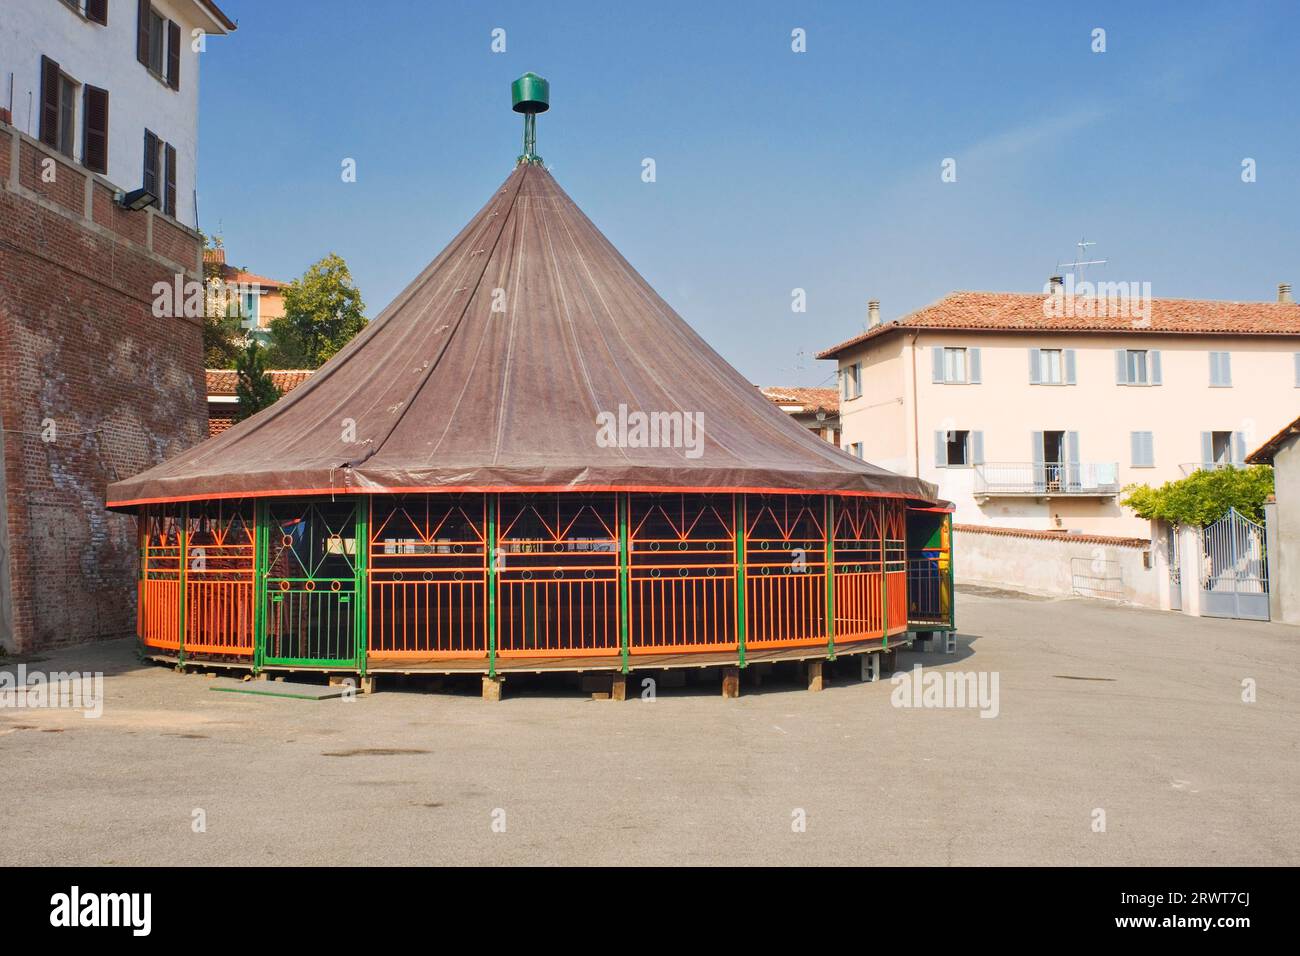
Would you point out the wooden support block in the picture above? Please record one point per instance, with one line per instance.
(890, 660)
(491, 688)
(815, 680)
(368, 684)
(618, 687)
(730, 682)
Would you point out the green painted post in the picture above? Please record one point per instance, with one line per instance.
(490, 504)
(829, 526)
(952, 589)
(361, 609)
(740, 521)
(623, 502)
(184, 539)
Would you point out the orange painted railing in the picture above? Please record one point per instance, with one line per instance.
(159, 611)
(219, 579)
(785, 571)
(557, 575)
(427, 567)
(681, 573)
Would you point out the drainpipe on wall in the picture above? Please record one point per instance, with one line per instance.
(916, 423)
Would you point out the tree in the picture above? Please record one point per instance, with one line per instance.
(1203, 497)
(253, 386)
(322, 312)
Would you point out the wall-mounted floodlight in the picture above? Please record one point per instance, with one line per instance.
(136, 199)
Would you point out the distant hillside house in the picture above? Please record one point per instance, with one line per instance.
(222, 403)
(1032, 419)
(817, 409)
(256, 299)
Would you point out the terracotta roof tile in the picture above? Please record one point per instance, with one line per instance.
(1067, 536)
(810, 398)
(1024, 312)
(221, 381)
(218, 425)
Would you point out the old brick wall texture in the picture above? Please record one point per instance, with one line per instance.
(81, 351)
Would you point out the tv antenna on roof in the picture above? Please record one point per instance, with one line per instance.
(1080, 263)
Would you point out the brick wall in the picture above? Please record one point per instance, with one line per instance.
(92, 388)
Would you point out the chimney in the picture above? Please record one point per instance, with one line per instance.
(1284, 292)
(873, 313)
(1056, 282)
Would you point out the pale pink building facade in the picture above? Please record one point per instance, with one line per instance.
(1027, 420)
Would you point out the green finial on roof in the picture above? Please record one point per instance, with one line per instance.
(530, 95)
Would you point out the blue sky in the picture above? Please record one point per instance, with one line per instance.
(775, 170)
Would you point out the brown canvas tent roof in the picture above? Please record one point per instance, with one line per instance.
(442, 393)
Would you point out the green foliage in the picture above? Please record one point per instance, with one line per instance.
(253, 387)
(1203, 497)
(222, 337)
(322, 312)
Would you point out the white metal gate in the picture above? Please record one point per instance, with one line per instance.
(1234, 574)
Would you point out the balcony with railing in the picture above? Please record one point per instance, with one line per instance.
(1037, 479)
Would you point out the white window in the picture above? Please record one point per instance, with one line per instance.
(157, 41)
(1049, 367)
(954, 365)
(67, 115)
(1137, 366)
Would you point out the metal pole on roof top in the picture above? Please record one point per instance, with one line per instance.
(530, 95)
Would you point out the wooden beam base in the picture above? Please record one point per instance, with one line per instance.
(618, 687)
(492, 688)
(815, 679)
(730, 682)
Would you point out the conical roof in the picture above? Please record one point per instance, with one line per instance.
(519, 359)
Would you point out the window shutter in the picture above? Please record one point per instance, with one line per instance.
(169, 204)
(1135, 448)
(1121, 366)
(1225, 368)
(937, 354)
(1036, 443)
(49, 102)
(1214, 369)
(97, 11)
(1072, 447)
(1297, 369)
(1207, 448)
(173, 55)
(1068, 356)
(142, 32)
(1239, 448)
(150, 173)
(1034, 365)
(857, 380)
(973, 366)
(95, 138)
(1149, 447)
(977, 448)
(941, 449)
(1153, 366)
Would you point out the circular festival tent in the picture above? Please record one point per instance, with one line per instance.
(528, 460)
